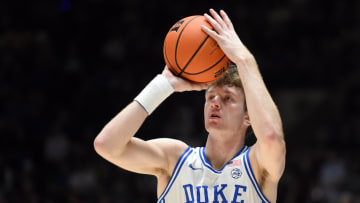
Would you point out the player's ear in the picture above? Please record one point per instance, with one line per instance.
(247, 119)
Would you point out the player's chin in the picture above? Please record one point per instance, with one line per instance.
(212, 124)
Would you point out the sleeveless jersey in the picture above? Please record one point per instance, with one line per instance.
(194, 180)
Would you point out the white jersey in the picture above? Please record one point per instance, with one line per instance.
(195, 181)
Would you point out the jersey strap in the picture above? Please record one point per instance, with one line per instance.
(175, 173)
(250, 173)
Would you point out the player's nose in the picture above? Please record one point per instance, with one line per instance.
(215, 103)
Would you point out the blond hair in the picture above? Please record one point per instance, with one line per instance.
(230, 78)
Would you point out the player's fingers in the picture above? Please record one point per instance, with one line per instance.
(217, 17)
(213, 23)
(204, 86)
(226, 19)
(200, 86)
(167, 71)
(212, 33)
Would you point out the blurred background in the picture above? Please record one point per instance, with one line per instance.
(68, 66)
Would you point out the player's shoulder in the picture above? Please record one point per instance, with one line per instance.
(172, 147)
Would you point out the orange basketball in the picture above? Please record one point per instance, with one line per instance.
(191, 53)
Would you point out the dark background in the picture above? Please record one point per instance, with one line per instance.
(65, 73)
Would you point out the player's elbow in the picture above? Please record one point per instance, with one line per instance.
(275, 140)
(107, 146)
(102, 145)
(99, 144)
(273, 135)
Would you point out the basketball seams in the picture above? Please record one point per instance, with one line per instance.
(222, 58)
(168, 61)
(187, 49)
(177, 43)
(194, 54)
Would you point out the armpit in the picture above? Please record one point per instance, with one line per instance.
(264, 174)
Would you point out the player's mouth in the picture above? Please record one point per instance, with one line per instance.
(214, 115)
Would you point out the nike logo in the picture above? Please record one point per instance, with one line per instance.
(191, 166)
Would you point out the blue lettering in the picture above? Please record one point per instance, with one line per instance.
(198, 188)
(219, 192)
(236, 194)
(190, 187)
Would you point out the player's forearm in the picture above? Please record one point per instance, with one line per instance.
(113, 138)
(264, 115)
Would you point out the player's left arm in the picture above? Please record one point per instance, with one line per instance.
(269, 150)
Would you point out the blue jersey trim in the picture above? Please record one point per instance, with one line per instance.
(175, 173)
(205, 162)
(250, 173)
(240, 152)
(208, 165)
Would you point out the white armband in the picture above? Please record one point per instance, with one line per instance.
(155, 93)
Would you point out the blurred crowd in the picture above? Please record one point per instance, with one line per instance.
(65, 73)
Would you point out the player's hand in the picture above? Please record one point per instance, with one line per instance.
(181, 85)
(226, 37)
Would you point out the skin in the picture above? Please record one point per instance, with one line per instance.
(117, 144)
(226, 130)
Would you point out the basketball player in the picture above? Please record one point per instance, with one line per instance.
(225, 170)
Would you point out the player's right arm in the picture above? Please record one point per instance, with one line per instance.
(117, 144)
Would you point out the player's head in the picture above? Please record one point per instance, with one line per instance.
(226, 97)
(230, 78)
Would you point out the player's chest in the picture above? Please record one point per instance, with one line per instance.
(200, 183)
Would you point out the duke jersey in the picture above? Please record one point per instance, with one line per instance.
(194, 180)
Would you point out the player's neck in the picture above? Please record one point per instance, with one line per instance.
(221, 149)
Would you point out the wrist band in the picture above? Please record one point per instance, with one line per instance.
(154, 93)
